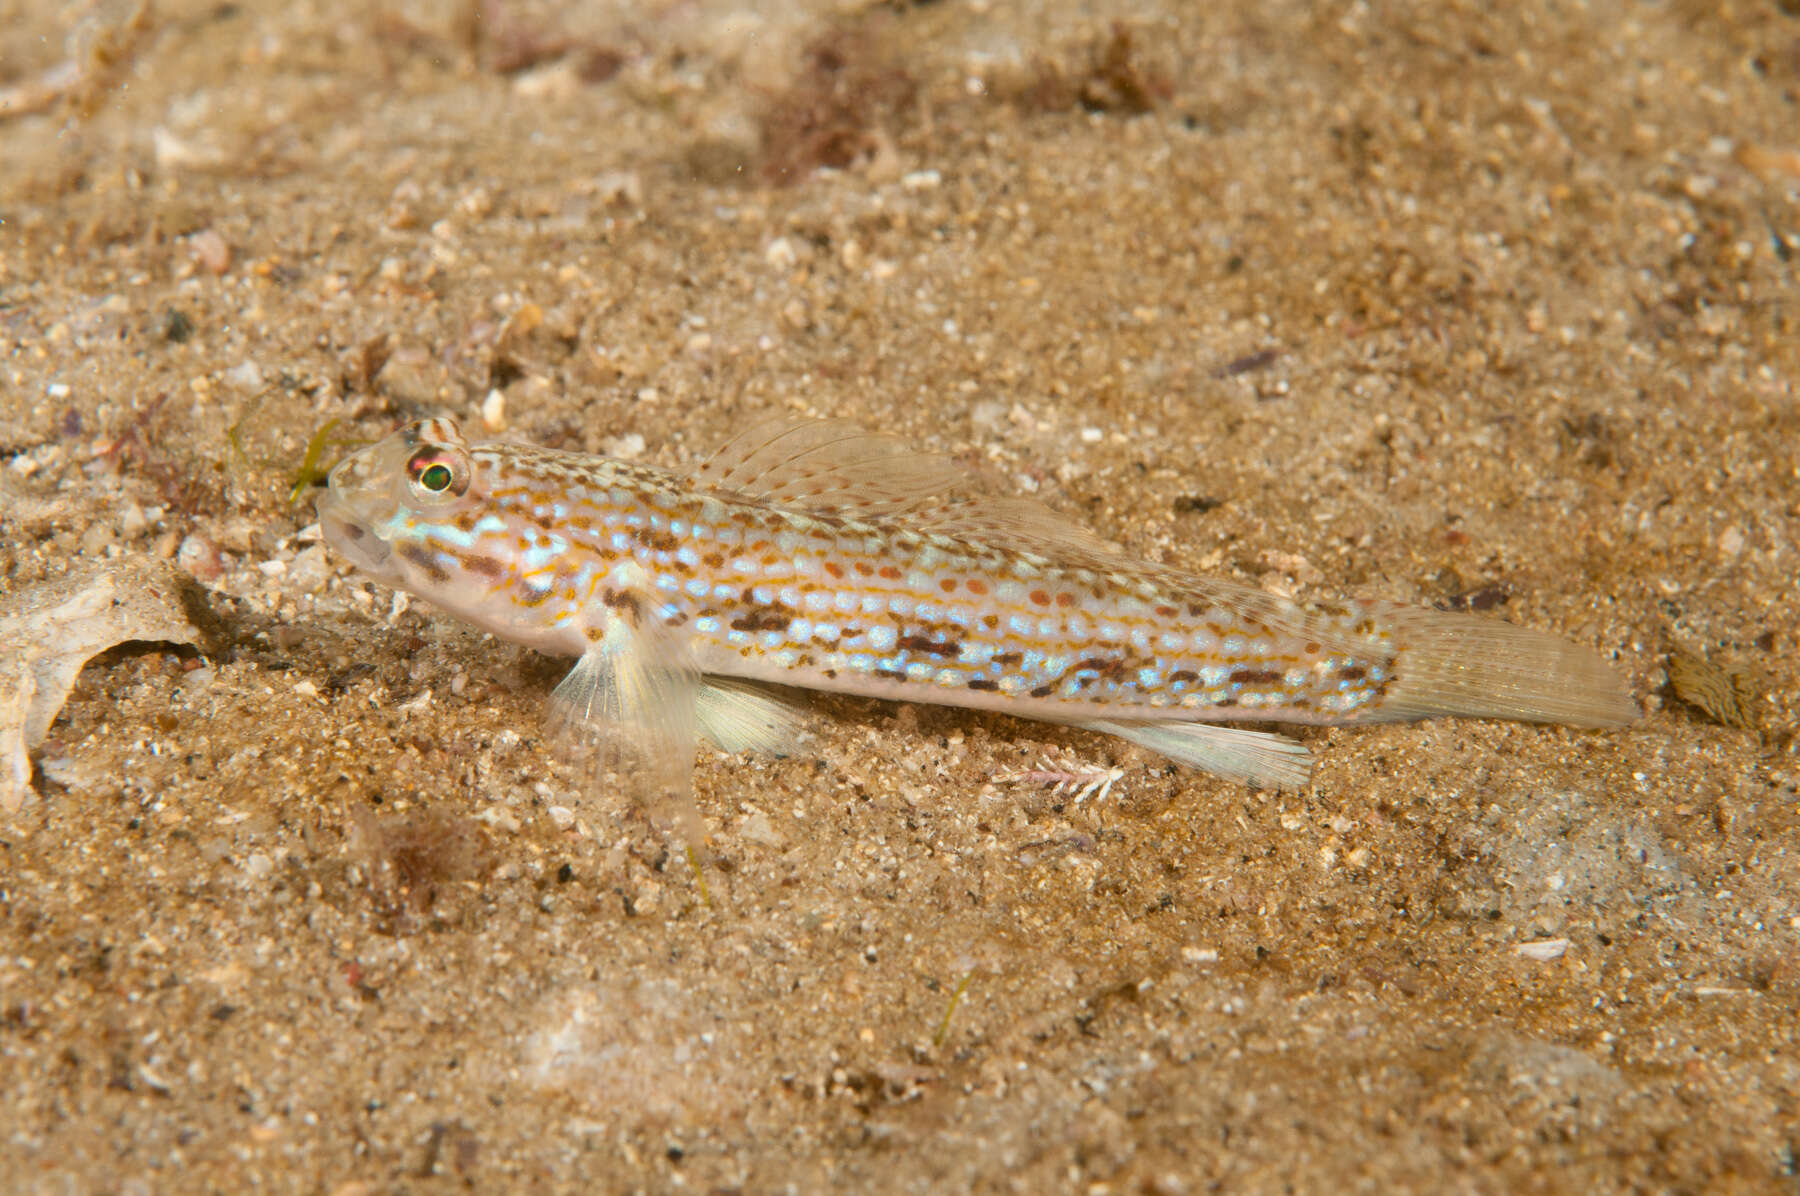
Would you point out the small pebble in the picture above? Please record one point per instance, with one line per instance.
(211, 252)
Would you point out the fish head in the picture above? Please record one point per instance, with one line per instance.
(399, 510)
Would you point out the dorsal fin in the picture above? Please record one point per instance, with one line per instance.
(835, 467)
(1023, 524)
(828, 467)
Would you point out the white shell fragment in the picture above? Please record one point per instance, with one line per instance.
(1542, 950)
(49, 631)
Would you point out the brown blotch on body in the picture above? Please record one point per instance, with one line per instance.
(1040, 597)
(976, 586)
(654, 540)
(929, 646)
(484, 566)
(890, 572)
(763, 618)
(624, 602)
(836, 570)
(983, 684)
(426, 560)
(1254, 676)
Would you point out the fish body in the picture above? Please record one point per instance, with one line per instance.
(819, 556)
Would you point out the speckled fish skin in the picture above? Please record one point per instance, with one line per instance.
(814, 566)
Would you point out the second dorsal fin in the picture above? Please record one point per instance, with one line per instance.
(828, 467)
(834, 467)
(1018, 523)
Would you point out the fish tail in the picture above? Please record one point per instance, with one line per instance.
(1474, 667)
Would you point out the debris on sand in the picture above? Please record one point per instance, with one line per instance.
(49, 631)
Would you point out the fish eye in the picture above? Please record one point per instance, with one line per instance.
(436, 471)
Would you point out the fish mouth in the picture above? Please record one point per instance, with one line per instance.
(353, 538)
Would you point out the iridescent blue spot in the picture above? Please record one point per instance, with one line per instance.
(919, 670)
(738, 639)
(819, 602)
(707, 625)
(790, 596)
(697, 587)
(826, 632)
(900, 604)
(881, 639)
(844, 602)
(774, 639)
(801, 629)
(1019, 624)
(1148, 678)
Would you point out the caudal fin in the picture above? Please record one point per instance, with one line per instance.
(1483, 668)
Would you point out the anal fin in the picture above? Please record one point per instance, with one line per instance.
(1254, 757)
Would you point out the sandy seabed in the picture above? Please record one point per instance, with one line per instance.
(1490, 309)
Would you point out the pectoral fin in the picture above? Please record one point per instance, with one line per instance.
(626, 715)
